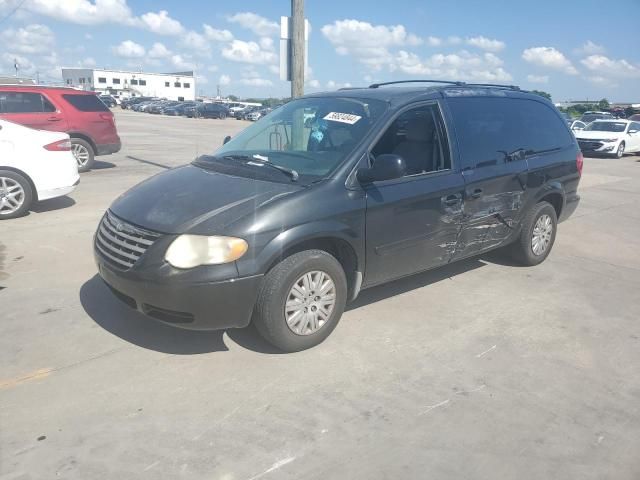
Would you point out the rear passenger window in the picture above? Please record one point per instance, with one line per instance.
(24, 102)
(488, 129)
(86, 103)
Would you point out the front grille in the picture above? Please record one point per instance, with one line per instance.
(589, 145)
(120, 243)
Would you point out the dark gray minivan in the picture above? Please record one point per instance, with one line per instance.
(336, 192)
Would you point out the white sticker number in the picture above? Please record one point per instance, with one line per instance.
(342, 117)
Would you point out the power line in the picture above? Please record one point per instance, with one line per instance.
(10, 14)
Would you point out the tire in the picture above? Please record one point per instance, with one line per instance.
(620, 151)
(16, 195)
(83, 151)
(270, 313)
(222, 116)
(540, 218)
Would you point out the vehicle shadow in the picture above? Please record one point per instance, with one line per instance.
(134, 327)
(102, 165)
(53, 204)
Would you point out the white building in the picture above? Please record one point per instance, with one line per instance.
(172, 86)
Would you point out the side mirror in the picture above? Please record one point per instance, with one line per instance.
(226, 139)
(385, 167)
(577, 128)
(633, 131)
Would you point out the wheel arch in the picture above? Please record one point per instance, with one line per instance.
(341, 243)
(86, 138)
(554, 194)
(20, 172)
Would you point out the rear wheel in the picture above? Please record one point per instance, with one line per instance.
(537, 236)
(16, 195)
(222, 116)
(83, 152)
(301, 301)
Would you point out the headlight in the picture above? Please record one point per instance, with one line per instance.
(611, 140)
(188, 251)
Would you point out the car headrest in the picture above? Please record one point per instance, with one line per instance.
(420, 130)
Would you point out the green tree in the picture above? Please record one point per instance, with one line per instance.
(233, 98)
(604, 104)
(542, 94)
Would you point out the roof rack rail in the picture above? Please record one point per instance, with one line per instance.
(376, 85)
(495, 85)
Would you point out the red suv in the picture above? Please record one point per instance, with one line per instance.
(82, 115)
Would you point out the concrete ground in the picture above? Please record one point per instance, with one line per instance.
(480, 370)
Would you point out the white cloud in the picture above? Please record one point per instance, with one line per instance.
(179, 62)
(590, 48)
(224, 80)
(453, 40)
(368, 43)
(195, 41)
(32, 39)
(216, 35)
(248, 52)
(129, 49)
(161, 23)
(83, 12)
(158, 50)
(256, 82)
(538, 78)
(336, 85)
(549, 57)
(88, 62)
(313, 83)
(463, 65)
(434, 41)
(485, 43)
(266, 43)
(611, 68)
(212, 68)
(257, 24)
(88, 36)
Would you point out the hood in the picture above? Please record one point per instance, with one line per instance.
(595, 135)
(190, 199)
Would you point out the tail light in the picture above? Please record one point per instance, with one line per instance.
(579, 163)
(60, 146)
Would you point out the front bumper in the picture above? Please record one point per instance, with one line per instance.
(212, 305)
(108, 148)
(598, 146)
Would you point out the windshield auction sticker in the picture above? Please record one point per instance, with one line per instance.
(342, 117)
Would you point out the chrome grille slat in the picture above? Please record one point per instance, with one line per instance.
(120, 243)
(131, 246)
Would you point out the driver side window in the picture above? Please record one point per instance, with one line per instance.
(417, 136)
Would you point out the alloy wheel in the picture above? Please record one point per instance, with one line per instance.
(310, 303)
(541, 237)
(11, 196)
(81, 153)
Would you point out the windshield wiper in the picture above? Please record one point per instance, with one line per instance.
(260, 160)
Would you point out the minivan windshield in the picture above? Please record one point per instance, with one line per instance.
(606, 127)
(311, 136)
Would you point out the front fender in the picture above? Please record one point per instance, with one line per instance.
(260, 262)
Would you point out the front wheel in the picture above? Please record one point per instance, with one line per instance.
(301, 301)
(620, 151)
(83, 152)
(537, 236)
(16, 195)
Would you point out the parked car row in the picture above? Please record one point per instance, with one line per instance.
(82, 115)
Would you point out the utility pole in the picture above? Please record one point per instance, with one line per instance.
(297, 48)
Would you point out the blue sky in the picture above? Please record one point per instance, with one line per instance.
(573, 49)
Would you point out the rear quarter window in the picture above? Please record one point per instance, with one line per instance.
(86, 103)
(489, 127)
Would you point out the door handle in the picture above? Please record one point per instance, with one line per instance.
(477, 193)
(53, 119)
(451, 200)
